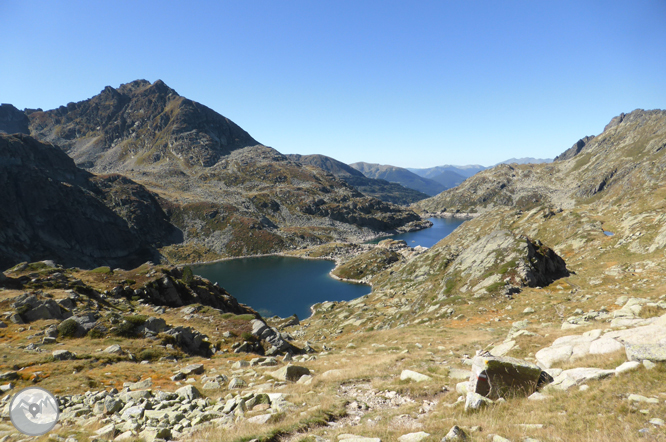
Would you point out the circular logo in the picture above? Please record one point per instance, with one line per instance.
(34, 411)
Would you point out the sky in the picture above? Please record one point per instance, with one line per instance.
(408, 83)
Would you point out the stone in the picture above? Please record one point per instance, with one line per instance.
(290, 373)
(604, 346)
(503, 377)
(126, 436)
(212, 385)
(193, 369)
(503, 349)
(462, 387)
(3, 325)
(626, 367)
(414, 376)
(188, 392)
(528, 310)
(414, 437)
(4, 388)
(536, 396)
(63, 355)
(151, 434)
(237, 383)
(257, 400)
(456, 373)
(640, 398)
(9, 376)
(114, 349)
(475, 401)
(261, 419)
(155, 325)
(649, 352)
(112, 405)
(107, 432)
(649, 365)
(498, 438)
(240, 364)
(305, 379)
(16, 319)
(354, 438)
(135, 412)
(657, 422)
(456, 434)
(141, 385)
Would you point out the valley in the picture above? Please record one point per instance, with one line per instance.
(104, 307)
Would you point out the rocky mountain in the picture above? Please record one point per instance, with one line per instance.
(139, 125)
(226, 193)
(464, 171)
(337, 168)
(628, 157)
(382, 189)
(399, 175)
(54, 210)
(13, 121)
(526, 160)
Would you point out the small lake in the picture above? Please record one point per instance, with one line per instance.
(441, 228)
(276, 285)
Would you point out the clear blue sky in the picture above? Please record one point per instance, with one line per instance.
(409, 83)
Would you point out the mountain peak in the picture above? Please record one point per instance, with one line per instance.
(139, 124)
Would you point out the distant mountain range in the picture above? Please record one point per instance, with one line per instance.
(399, 175)
(444, 174)
(384, 190)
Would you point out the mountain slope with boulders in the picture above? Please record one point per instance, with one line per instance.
(384, 190)
(54, 210)
(228, 194)
(628, 157)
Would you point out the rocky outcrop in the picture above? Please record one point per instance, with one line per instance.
(575, 149)
(54, 210)
(13, 121)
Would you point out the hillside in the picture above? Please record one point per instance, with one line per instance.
(54, 210)
(399, 175)
(465, 171)
(560, 306)
(627, 158)
(381, 189)
(226, 193)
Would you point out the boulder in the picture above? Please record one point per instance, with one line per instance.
(9, 376)
(155, 325)
(649, 352)
(114, 349)
(237, 383)
(456, 434)
(193, 369)
(107, 432)
(188, 392)
(414, 376)
(290, 373)
(475, 401)
(63, 355)
(141, 385)
(414, 437)
(627, 366)
(496, 378)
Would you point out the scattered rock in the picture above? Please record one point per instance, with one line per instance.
(188, 392)
(290, 373)
(414, 376)
(414, 437)
(456, 434)
(475, 401)
(114, 349)
(193, 369)
(63, 355)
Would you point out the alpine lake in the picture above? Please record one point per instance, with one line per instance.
(282, 286)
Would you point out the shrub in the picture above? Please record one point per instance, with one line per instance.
(129, 327)
(150, 354)
(68, 328)
(188, 276)
(96, 333)
(247, 336)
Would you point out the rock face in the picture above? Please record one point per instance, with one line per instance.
(57, 211)
(13, 121)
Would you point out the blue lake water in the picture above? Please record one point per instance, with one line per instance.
(276, 285)
(441, 228)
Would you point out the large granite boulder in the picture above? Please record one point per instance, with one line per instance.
(495, 377)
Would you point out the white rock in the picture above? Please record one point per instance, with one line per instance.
(536, 396)
(627, 366)
(414, 376)
(413, 437)
(503, 349)
(649, 364)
